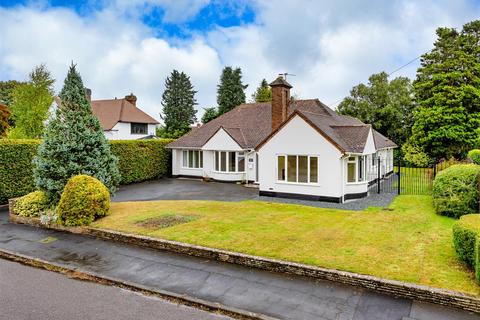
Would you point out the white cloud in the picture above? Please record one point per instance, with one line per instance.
(330, 46)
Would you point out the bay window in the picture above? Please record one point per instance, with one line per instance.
(229, 161)
(192, 159)
(356, 169)
(297, 168)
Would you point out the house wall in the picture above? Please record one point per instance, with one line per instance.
(299, 138)
(121, 131)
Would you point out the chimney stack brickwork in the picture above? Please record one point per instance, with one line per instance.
(132, 99)
(280, 101)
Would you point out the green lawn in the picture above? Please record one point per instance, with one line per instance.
(406, 242)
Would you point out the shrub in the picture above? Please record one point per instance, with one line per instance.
(465, 232)
(455, 190)
(138, 160)
(141, 160)
(31, 205)
(16, 167)
(83, 200)
(474, 155)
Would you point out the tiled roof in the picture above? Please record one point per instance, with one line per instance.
(251, 125)
(382, 142)
(112, 111)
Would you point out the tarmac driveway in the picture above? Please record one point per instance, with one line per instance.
(195, 189)
(184, 189)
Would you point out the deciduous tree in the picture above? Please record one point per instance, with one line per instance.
(263, 92)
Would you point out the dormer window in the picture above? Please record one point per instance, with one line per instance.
(138, 128)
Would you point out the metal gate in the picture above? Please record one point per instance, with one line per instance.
(402, 178)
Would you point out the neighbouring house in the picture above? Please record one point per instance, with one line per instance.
(121, 119)
(290, 148)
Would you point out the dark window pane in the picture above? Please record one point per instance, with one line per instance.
(190, 158)
(241, 162)
(138, 128)
(217, 160)
(302, 169)
(292, 168)
(223, 161)
(313, 169)
(281, 168)
(231, 161)
(185, 158)
(201, 159)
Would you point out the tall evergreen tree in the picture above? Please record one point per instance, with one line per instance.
(31, 102)
(387, 105)
(74, 143)
(263, 92)
(178, 101)
(230, 90)
(209, 114)
(447, 90)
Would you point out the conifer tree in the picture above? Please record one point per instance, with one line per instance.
(447, 90)
(230, 90)
(263, 92)
(209, 114)
(73, 143)
(178, 101)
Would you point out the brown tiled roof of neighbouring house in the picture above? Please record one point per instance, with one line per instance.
(250, 125)
(112, 111)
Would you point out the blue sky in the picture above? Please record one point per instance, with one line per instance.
(123, 46)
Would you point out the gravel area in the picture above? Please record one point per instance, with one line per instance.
(373, 200)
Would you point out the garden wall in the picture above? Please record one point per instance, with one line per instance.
(139, 160)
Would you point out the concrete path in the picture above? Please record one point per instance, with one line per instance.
(30, 293)
(192, 189)
(276, 295)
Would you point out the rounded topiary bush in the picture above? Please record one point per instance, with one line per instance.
(31, 205)
(83, 200)
(465, 233)
(455, 190)
(474, 155)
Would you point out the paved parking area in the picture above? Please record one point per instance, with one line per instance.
(192, 189)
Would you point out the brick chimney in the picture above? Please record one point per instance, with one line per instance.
(88, 94)
(132, 99)
(280, 101)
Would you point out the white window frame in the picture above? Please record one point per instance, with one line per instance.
(285, 157)
(195, 154)
(356, 161)
(227, 161)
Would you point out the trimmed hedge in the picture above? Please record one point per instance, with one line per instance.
(455, 190)
(139, 160)
(31, 205)
(474, 155)
(466, 232)
(16, 167)
(83, 200)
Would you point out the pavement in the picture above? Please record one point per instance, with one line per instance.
(276, 295)
(195, 189)
(30, 293)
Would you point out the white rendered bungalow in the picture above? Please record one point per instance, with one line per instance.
(290, 148)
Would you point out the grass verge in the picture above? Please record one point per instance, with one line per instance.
(407, 242)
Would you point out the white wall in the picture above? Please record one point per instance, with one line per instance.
(122, 131)
(299, 138)
(221, 140)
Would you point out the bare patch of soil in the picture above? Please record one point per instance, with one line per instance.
(166, 221)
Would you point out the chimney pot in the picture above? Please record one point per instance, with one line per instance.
(280, 101)
(132, 99)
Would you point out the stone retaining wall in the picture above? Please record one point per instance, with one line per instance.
(391, 287)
